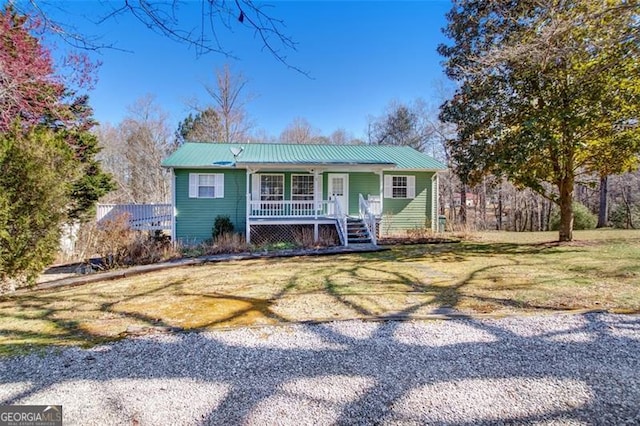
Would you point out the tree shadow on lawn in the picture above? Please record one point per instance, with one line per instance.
(95, 315)
(466, 250)
(458, 372)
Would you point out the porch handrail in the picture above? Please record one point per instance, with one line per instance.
(341, 220)
(367, 217)
(289, 208)
(375, 204)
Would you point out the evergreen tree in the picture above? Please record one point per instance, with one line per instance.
(37, 169)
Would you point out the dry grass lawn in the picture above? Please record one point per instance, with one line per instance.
(490, 273)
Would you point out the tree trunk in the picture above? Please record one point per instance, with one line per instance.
(566, 208)
(603, 207)
(463, 204)
(499, 221)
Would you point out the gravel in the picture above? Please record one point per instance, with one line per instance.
(548, 370)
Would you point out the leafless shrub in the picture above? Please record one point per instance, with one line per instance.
(228, 243)
(303, 237)
(118, 245)
(328, 236)
(464, 231)
(420, 233)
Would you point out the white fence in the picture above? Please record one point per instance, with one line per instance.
(148, 217)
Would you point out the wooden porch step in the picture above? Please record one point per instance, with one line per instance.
(357, 232)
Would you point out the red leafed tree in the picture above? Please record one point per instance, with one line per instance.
(29, 88)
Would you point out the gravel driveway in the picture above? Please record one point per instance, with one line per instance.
(553, 369)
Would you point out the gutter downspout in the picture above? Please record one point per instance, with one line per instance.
(435, 208)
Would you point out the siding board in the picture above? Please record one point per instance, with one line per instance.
(195, 216)
(401, 215)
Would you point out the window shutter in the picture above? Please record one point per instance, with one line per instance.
(219, 185)
(388, 183)
(193, 185)
(255, 187)
(411, 187)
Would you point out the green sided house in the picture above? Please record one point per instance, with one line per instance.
(272, 191)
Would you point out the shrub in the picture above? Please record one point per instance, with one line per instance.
(582, 218)
(624, 218)
(222, 225)
(228, 242)
(419, 233)
(119, 245)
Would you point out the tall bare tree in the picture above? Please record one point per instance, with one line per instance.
(300, 131)
(133, 151)
(230, 101)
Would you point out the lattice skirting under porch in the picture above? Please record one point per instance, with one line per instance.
(301, 235)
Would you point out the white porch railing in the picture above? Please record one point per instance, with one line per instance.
(375, 205)
(289, 208)
(367, 217)
(341, 220)
(148, 217)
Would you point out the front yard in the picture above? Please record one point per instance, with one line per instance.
(498, 273)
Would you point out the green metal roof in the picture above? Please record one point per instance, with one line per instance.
(206, 155)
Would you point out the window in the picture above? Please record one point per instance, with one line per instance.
(206, 185)
(399, 187)
(302, 187)
(271, 187)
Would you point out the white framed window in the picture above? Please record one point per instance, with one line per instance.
(302, 187)
(400, 186)
(206, 185)
(271, 187)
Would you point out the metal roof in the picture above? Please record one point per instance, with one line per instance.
(211, 155)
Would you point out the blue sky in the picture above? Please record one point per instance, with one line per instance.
(360, 55)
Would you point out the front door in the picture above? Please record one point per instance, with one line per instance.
(339, 190)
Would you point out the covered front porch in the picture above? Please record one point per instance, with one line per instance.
(317, 214)
(316, 198)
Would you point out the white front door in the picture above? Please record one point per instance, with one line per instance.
(339, 190)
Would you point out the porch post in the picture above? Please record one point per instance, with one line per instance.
(173, 207)
(381, 177)
(248, 208)
(315, 195)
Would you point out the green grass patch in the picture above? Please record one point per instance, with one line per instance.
(492, 273)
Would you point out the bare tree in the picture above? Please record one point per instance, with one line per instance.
(231, 122)
(341, 136)
(133, 151)
(300, 131)
(262, 136)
